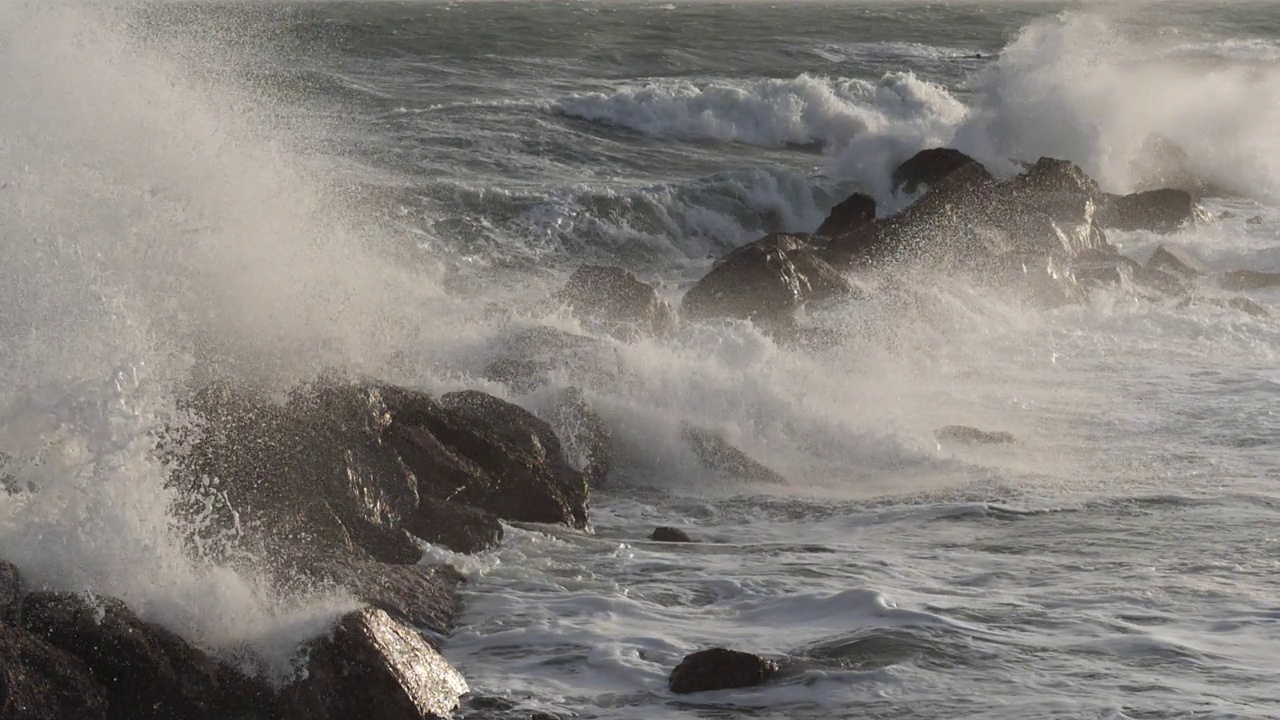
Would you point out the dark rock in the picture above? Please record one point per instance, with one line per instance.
(624, 305)
(670, 534)
(766, 282)
(929, 167)
(852, 213)
(971, 436)
(375, 668)
(1163, 210)
(717, 454)
(525, 359)
(1255, 220)
(587, 441)
(146, 670)
(10, 588)
(475, 449)
(1052, 175)
(424, 595)
(1178, 261)
(460, 528)
(1240, 280)
(41, 682)
(720, 669)
(314, 468)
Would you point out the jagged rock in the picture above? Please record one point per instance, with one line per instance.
(720, 669)
(1164, 210)
(972, 436)
(478, 450)
(460, 528)
(625, 306)
(717, 454)
(10, 588)
(424, 595)
(147, 671)
(929, 167)
(375, 668)
(41, 682)
(850, 214)
(1052, 175)
(670, 534)
(527, 358)
(314, 466)
(585, 437)
(1240, 280)
(766, 282)
(1178, 261)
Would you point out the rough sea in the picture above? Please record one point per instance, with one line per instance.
(395, 187)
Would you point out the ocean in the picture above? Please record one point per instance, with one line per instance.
(393, 188)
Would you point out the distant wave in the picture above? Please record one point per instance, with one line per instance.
(806, 110)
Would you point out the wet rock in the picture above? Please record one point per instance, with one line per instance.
(1240, 280)
(719, 455)
(376, 668)
(41, 682)
(971, 436)
(475, 449)
(1052, 176)
(314, 466)
(460, 528)
(1178, 261)
(671, 535)
(625, 306)
(765, 282)
(10, 588)
(1102, 269)
(526, 359)
(587, 441)
(1164, 210)
(929, 167)
(147, 671)
(720, 669)
(423, 595)
(850, 214)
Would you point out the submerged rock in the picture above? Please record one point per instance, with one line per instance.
(766, 282)
(40, 682)
(375, 668)
(720, 669)
(616, 298)
(671, 535)
(850, 214)
(584, 435)
(1176, 260)
(719, 455)
(972, 436)
(526, 359)
(1240, 280)
(146, 670)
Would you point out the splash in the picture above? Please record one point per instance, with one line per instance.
(154, 225)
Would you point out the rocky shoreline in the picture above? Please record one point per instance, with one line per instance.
(341, 482)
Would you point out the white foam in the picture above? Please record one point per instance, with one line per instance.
(805, 110)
